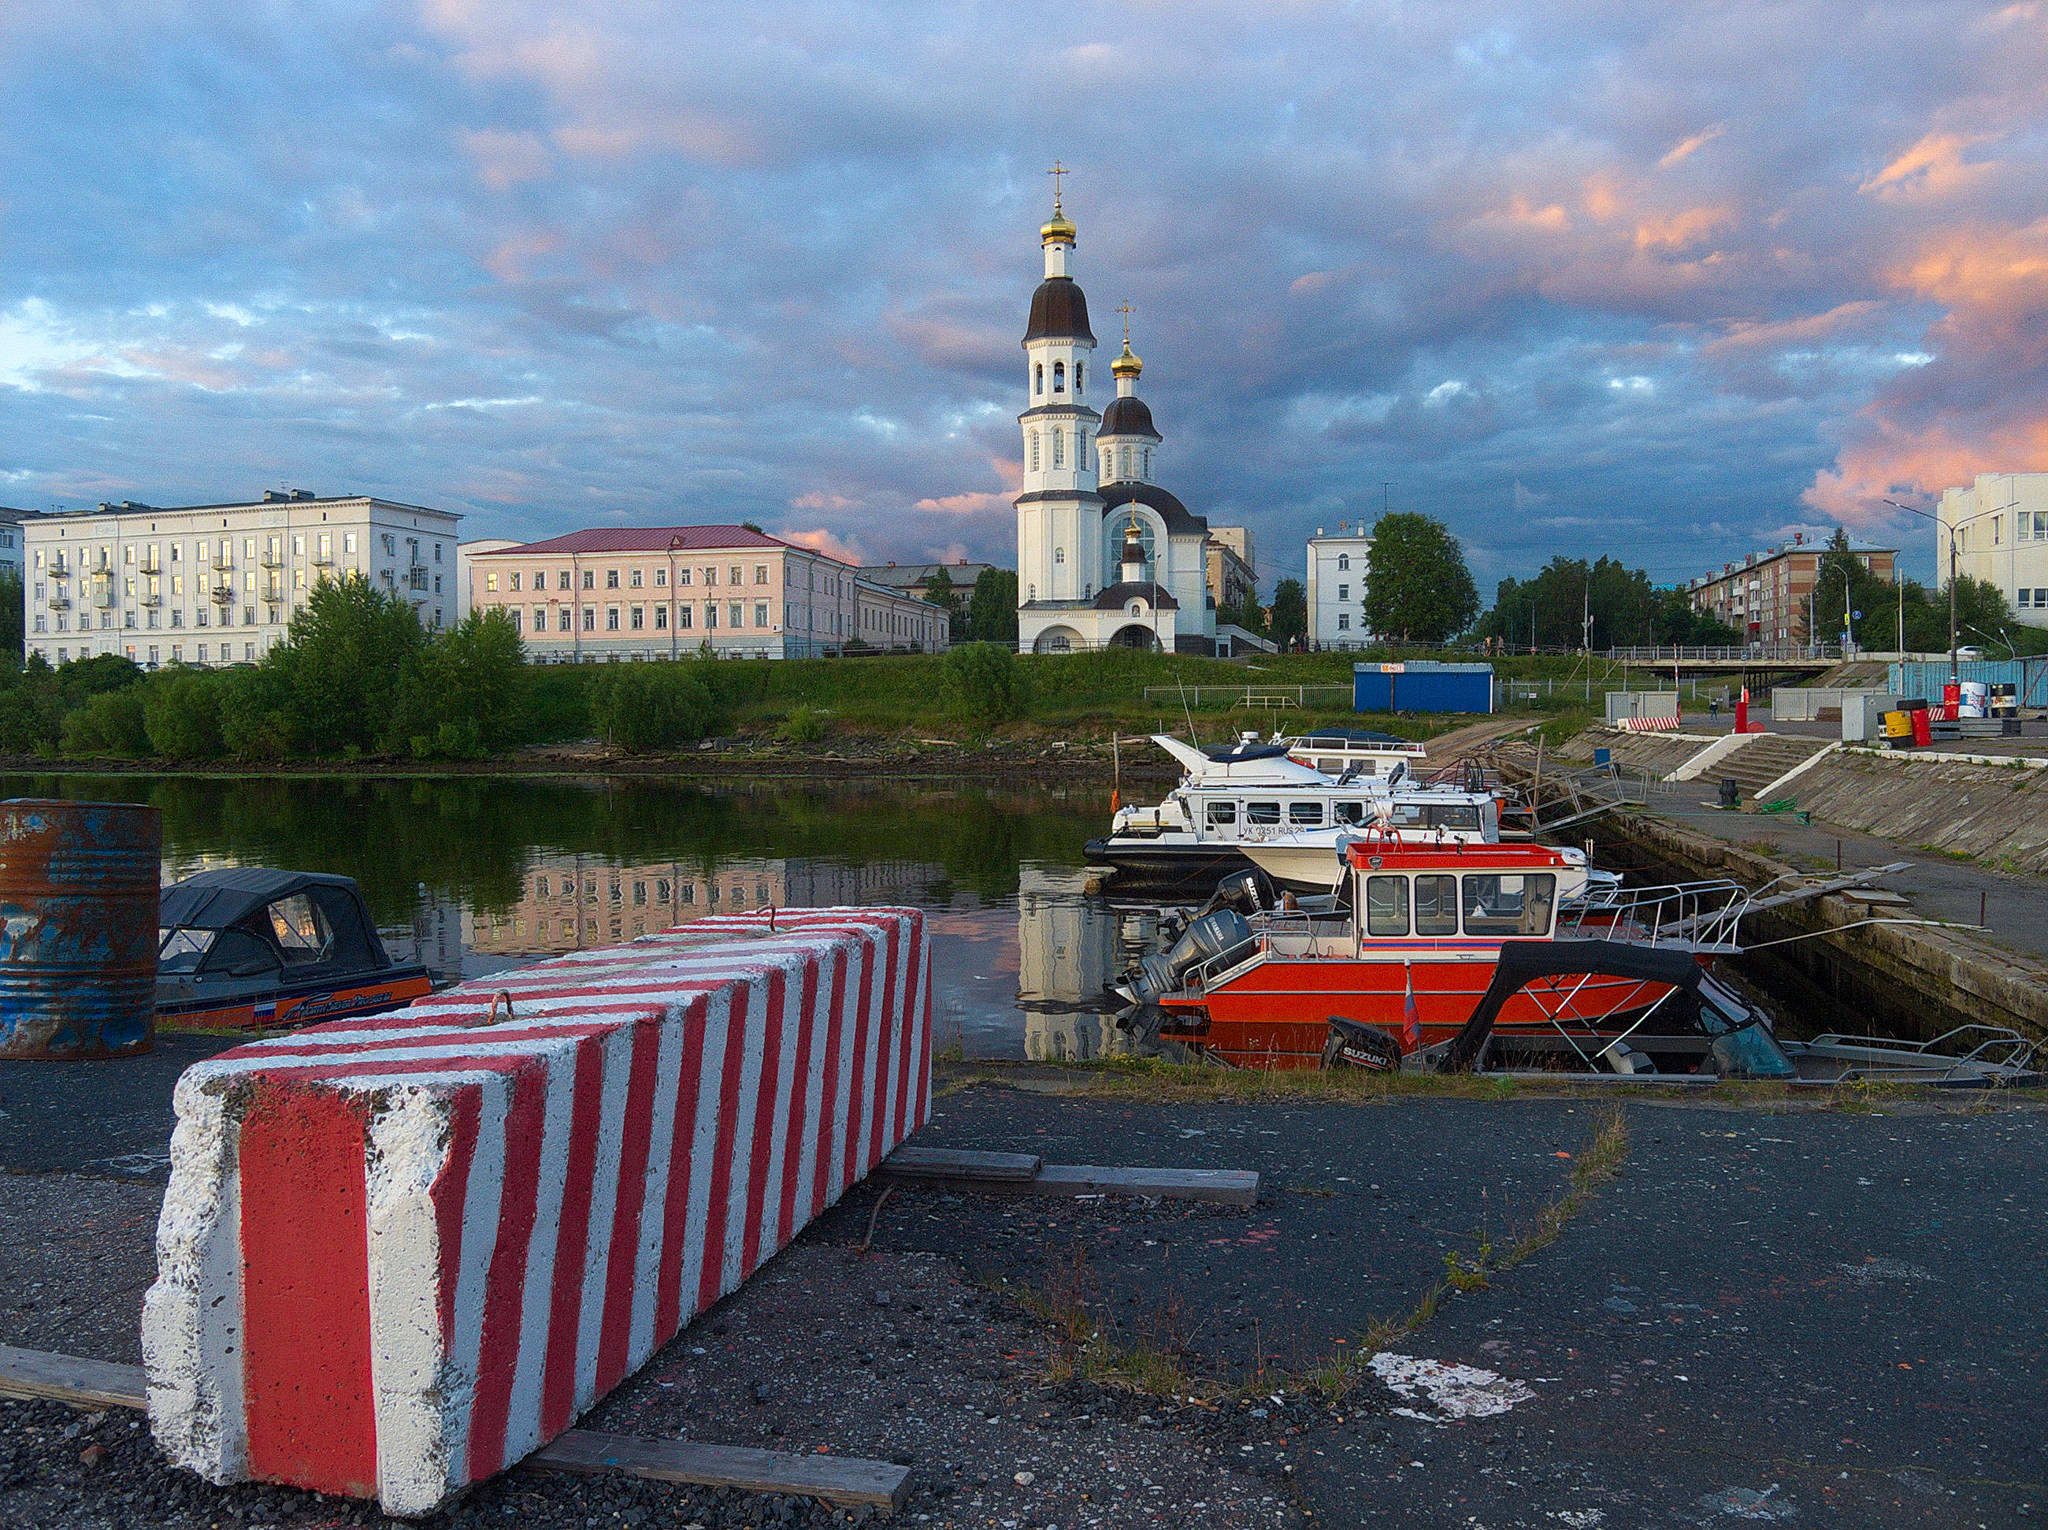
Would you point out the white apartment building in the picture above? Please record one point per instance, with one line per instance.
(1336, 588)
(659, 592)
(218, 584)
(2000, 524)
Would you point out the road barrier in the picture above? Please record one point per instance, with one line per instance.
(398, 1254)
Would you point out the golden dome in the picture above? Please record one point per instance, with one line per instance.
(1059, 228)
(1127, 364)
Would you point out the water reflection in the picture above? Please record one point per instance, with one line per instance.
(478, 874)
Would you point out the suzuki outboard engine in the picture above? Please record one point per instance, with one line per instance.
(1209, 936)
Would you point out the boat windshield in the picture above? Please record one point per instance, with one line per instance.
(181, 950)
(1509, 904)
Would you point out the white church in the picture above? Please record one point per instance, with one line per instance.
(1105, 557)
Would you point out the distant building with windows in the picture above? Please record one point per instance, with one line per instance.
(1231, 579)
(219, 584)
(11, 537)
(2001, 530)
(909, 578)
(657, 592)
(1767, 596)
(1336, 588)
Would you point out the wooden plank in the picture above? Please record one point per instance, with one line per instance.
(955, 1163)
(836, 1479)
(69, 1379)
(1227, 1187)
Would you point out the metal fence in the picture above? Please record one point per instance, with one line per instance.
(1271, 698)
(1806, 653)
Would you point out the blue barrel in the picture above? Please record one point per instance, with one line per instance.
(78, 936)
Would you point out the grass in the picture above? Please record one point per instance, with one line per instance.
(1086, 1347)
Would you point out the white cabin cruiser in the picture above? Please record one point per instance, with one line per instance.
(1251, 794)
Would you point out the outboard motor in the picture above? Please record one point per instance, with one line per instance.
(1241, 891)
(1157, 974)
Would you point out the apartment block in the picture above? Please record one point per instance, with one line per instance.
(2000, 525)
(1767, 597)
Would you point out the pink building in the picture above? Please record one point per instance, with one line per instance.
(646, 592)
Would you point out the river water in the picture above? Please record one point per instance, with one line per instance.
(482, 874)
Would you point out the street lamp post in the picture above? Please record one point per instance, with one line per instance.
(1955, 671)
(1848, 600)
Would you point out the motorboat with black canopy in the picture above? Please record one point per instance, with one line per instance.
(255, 948)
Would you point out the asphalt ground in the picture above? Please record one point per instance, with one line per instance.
(1773, 1313)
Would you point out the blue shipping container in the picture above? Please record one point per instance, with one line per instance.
(1422, 685)
(1922, 679)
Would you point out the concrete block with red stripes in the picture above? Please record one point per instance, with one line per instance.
(398, 1254)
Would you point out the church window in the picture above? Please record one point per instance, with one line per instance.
(1038, 378)
(1034, 451)
(1059, 377)
(1059, 555)
(1033, 595)
(1077, 377)
(1059, 442)
(1344, 561)
(1343, 592)
(1148, 462)
(1127, 461)
(1105, 463)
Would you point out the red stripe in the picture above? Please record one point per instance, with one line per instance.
(498, 1348)
(799, 1103)
(825, 1181)
(682, 1164)
(710, 1280)
(450, 1191)
(764, 1124)
(617, 1329)
(882, 1061)
(306, 1301)
(913, 1001)
(572, 1242)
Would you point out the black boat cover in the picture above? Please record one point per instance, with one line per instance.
(241, 896)
(1237, 754)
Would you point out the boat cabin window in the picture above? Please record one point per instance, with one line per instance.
(1456, 816)
(301, 929)
(1222, 814)
(1329, 767)
(181, 950)
(1386, 905)
(237, 953)
(1436, 905)
(1348, 812)
(1305, 815)
(1509, 905)
(1262, 812)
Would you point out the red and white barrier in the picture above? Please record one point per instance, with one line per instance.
(1648, 724)
(398, 1254)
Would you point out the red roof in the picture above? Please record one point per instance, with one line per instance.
(1418, 850)
(624, 539)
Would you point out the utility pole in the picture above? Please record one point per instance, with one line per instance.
(1586, 634)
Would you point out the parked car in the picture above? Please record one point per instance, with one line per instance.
(1969, 651)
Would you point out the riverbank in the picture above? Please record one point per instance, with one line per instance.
(1554, 1311)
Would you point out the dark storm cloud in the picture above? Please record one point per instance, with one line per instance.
(1663, 281)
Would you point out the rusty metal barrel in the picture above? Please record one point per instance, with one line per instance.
(78, 933)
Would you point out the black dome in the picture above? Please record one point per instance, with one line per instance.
(1113, 598)
(1059, 311)
(1179, 522)
(1127, 417)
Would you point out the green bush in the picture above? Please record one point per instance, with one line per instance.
(984, 681)
(113, 722)
(181, 710)
(644, 707)
(802, 726)
(462, 695)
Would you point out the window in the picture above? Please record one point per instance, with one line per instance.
(437, 552)
(1105, 463)
(633, 579)
(760, 573)
(710, 577)
(299, 546)
(1124, 460)
(514, 584)
(710, 614)
(737, 615)
(1344, 621)
(1386, 905)
(1352, 812)
(1038, 378)
(348, 541)
(490, 581)
(611, 579)
(590, 578)
(1262, 812)
(540, 618)
(683, 617)
(326, 547)
(1436, 905)
(736, 575)
(760, 613)
(683, 578)
(1147, 473)
(300, 929)
(1059, 555)
(1509, 905)
(660, 618)
(661, 578)
(202, 646)
(1343, 592)
(1059, 444)
(2040, 599)
(1306, 815)
(1463, 815)
(638, 618)
(1034, 468)
(590, 618)
(517, 615)
(611, 618)
(1059, 377)
(1077, 375)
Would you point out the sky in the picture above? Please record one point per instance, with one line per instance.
(1665, 282)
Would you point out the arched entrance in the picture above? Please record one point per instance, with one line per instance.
(1134, 636)
(1056, 640)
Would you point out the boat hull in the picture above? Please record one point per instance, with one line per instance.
(283, 1008)
(1167, 867)
(1276, 1013)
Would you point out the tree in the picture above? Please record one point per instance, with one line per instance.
(985, 681)
(181, 709)
(642, 707)
(940, 591)
(347, 649)
(1287, 619)
(1550, 610)
(1417, 587)
(110, 723)
(1246, 614)
(461, 698)
(992, 611)
(12, 614)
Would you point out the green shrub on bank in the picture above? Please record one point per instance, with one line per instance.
(182, 710)
(984, 682)
(111, 723)
(644, 707)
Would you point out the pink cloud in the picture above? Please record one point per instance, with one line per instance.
(828, 543)
(820, 501)
(965, 504)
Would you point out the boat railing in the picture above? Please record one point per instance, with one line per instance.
(1698, 913)
(1996, 1048)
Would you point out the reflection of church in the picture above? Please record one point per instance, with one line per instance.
(1105, 557)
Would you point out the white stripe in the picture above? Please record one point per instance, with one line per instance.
(794, 1019)
(899, 1027)
(749, 1104)
(818, 1027)
(668, 1072)
(481, 1204)
(522, 1420)
(842, 1099)
(604, 1206)
(703, 1148)
(878, 1023)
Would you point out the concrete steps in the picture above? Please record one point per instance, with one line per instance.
(1761, 761)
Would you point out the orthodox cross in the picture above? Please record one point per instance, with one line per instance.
(1056, 172)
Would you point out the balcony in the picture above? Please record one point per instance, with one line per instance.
(416, 577)
(59, 569)
(60, 602)
(223, 594)
(152, 601)
(103, 597)
(272, 560)
(223, 565)
(151, 566)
